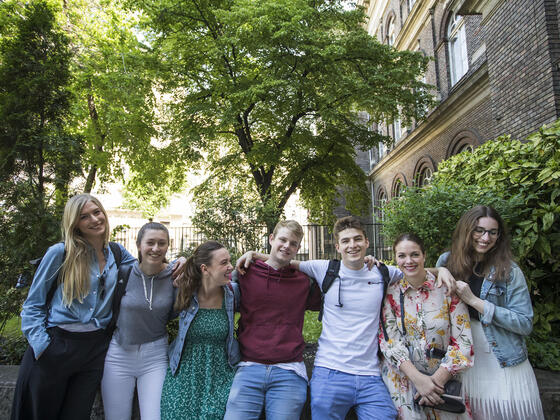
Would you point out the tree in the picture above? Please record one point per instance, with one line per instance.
(38, 157)
(228, 214)
(269, 90)
(116, 108)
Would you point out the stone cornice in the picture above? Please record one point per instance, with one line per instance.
(413, 24)
(467, 95)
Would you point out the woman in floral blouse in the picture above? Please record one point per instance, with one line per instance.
(434, 344)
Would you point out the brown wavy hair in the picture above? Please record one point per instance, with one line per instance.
(192, 279)
(348, 222)
(463, 259)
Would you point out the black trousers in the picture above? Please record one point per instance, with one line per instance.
(63, 382)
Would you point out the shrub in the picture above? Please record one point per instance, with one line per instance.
(522, 181)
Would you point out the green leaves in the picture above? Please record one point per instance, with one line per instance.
(519, 179)
(276, 84)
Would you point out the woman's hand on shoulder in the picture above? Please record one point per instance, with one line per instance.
(445, 278)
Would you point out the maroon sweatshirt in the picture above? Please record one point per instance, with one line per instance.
(273, 304)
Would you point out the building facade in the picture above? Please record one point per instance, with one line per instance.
(495, 70)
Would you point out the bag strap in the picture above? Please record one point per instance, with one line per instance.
(120, 290)
(117, 253)
(328, 280)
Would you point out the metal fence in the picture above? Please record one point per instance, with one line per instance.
(317, 243)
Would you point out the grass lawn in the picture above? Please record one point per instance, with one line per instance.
(12, 327)
(311, 327)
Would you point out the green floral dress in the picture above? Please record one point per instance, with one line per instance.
(200, 388)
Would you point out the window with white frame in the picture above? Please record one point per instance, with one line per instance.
(391, 31)
(397, 130)
(411, 4)
(424, 176)
(458, 59)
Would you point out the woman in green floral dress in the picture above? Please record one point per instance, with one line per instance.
(202, 358)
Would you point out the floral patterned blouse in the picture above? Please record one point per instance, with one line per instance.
(432, 321)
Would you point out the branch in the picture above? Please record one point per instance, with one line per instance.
(297, 179)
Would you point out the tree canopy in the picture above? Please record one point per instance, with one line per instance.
(269, 90)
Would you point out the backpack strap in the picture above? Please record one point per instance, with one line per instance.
(328, 280)
(117, 253)
(120, 290)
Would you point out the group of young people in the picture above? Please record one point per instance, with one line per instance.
(430, 333)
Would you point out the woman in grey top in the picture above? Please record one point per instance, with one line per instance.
(137, 355)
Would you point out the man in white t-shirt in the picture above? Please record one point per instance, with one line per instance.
(347, 372)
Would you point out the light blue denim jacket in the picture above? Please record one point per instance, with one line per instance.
(508, 314)
(185, 319)
(37, 316)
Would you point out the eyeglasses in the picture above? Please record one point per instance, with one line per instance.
(480, 231)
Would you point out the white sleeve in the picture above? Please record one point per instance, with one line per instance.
(394, 274)
(315, 269)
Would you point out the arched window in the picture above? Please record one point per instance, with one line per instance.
(380, 201)
(458, 59)
(391, 30)
(399, 183)
(423, 171)
(464, 140)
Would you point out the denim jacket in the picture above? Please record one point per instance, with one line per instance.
(38, 314)
(508, 314)
(185, 319)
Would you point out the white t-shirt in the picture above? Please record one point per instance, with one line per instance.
(349, 340)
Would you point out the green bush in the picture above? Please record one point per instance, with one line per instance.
(522, 181)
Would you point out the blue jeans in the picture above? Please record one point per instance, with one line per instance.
(333, 393)
(281, 392)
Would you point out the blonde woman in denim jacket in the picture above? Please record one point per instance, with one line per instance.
(502, 384)
(202, 358)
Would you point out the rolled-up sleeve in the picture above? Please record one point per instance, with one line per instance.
(35, 309)
(517, 314)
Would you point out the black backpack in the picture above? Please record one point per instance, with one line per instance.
(120, 289)
(332, 274)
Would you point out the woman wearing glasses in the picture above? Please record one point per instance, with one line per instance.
(501, 384)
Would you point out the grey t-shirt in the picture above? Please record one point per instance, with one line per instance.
(137, 324)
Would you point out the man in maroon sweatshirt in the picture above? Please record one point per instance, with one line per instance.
(274, 298)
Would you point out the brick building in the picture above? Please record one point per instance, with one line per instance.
(495, 70)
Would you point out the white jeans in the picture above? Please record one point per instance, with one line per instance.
(142, 365)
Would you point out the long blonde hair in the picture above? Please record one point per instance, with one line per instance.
(74, 273)
(192, 279)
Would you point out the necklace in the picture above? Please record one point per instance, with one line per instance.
(149, 300)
